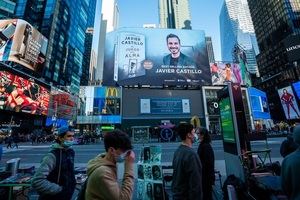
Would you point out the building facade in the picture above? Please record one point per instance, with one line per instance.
(174, 14)
(7, 8)
(64, 23)
(236, 28)
(273, 22)
(210, 50)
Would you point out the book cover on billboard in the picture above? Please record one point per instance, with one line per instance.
(129, 55)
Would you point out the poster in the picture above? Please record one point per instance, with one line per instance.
(150, 174)
(289, 103)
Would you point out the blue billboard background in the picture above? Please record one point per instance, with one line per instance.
(138, 56)
(259, 104)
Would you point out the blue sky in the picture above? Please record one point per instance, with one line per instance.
(205, 16)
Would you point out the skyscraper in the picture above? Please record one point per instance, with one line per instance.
(64, 23)
(110, 14)
(174, 14)
(274, 21)
(236, 28)
(210, 50)
(7, 8)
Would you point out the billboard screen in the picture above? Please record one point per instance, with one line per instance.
(296, 87)
(99, 105)
(165, 106)
(23, 44)
(22, 95)
(227, 120)
(288, 103)
(292, 47)
(222, 73)
(156, 57)
(62, 105)
(259, 104)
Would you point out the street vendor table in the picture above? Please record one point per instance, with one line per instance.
(22, 181)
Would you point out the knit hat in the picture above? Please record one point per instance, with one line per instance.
(62, 130)
(296, 134)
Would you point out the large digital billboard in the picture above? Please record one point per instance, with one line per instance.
(288, 103)
(222, 73)
(62, 104)
(259, 104)
(99, 105)
(22, 95)
(23, 44)
(155, 57)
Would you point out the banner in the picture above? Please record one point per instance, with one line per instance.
(22, 95)
(288, 103)
(22, 43)
(222, 73)
(156, 57)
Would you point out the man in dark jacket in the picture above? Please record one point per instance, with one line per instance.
(187, 174)
(288, 146)
(290, 171)
(55, 178)
(207, 158)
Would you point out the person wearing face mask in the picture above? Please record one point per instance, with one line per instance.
(55, 178)
(207, 158)
(102, 170)
(187, 169)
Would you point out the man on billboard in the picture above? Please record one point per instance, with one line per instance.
(176, 58)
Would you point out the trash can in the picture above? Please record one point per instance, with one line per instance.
(12, 166)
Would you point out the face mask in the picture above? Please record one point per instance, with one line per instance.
(196, 138)
(68, 143)
(121, 158)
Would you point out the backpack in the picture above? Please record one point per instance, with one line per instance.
(81, 193)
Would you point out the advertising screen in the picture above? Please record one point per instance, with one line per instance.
(296, 87)
(22, 95)
(165, 106)
(62, 104)
(156, 57)
(23, 44)
(222, 73)
(288, 103)
(99, 105)
(227, 120)
(259, 104)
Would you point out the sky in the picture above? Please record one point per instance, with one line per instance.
(204, 13)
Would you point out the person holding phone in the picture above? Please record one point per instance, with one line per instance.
(102, 170)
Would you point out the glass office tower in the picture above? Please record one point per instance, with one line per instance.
(64, 23)
(236, 28)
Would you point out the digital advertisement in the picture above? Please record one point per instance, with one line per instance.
(259, 104)
(227, 120)
(222, 73)
(289, 103)
(99, 105)
(165, 106)
(22, 95)
(22, 43)
(156, 57)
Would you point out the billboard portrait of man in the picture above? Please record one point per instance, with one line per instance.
(176, 57)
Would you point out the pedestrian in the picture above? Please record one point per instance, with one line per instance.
(207, 158)
(288, 146)
(187, 170)
(9, 141)
(16, 140)
(290, 171)
(102, 170)
(55, 178)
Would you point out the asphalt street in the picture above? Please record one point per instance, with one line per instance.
(32, 154)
